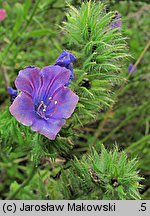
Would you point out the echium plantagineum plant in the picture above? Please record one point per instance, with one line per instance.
(102, 175)
(46, 100)
(46, 97)
(96, 38)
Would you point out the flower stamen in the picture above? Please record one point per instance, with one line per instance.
(40, 111)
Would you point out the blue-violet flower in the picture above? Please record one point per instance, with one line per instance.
(13, 93)
(117, 22)
(130, 68)
(65, 60)
(44, 102)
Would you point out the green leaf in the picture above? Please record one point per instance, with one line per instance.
(19, 19)
(41, 32)
(26, 7)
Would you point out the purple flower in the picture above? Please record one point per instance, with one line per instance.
(65, 60)
(2, 14)
(44, 102)
(130, 68)
(116, 23)
(13, 93)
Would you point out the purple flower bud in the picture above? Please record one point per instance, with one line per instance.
(13, 93)
(130, 68)
(116, 23)
(44, 102)
(65, 60)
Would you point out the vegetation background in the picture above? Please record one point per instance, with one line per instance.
(30, 35)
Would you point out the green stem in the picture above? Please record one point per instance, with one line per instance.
(99, 130)
(25, 183)
(123, 123)
(32, 14)
(6, 77)
(134, 145)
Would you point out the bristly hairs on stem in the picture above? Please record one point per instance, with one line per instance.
(101, 52)
(102, 124)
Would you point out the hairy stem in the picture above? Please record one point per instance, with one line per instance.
(102, 124)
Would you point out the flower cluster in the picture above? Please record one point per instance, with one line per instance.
(44, 102)
(65, 60)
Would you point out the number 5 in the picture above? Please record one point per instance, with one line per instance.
(143, 207)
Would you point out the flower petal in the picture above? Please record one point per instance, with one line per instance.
(22, 109)
(53, 77)
(48, 128)
(65, 102)
(28, 80)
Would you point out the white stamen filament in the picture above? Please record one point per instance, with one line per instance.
(42, 104)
